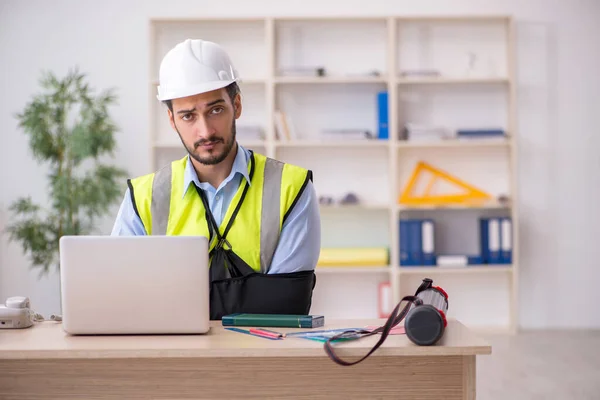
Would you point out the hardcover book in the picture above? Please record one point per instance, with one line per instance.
(273, 320)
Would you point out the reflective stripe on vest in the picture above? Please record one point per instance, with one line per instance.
(275, 188)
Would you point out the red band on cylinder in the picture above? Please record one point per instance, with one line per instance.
(443, 318)
(441, 290)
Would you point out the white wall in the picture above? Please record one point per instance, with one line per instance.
(559, 105)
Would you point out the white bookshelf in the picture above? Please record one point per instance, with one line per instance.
(361, 57)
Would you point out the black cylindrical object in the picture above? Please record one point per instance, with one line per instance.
(426, 322)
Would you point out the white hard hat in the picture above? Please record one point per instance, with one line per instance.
(192, 67)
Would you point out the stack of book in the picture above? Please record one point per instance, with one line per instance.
(423, 133)
(354, 257)
(284, 128)
(492, 133)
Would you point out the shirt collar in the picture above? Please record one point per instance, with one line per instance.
(240, 165)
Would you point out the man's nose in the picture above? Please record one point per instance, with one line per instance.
(204, 129)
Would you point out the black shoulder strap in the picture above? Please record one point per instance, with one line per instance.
(212, 224)
(309, 177)
(394, 319)
(426, 284)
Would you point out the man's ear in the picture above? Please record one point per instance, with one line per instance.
(237, 106)
(171, 121)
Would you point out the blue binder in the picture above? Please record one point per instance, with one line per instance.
(415, 242)
(427, 242)
(484, 248)
(475, 260)
(490, 240)
(411, 242)
(382, 115)
(506, 243)
(479, 132)
(404, 243)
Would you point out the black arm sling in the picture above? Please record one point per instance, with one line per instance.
(237, 288)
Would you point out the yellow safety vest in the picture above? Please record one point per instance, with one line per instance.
(274, 190)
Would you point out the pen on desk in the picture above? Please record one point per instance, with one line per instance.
(252, 332)
(276, 333)
(266, 332)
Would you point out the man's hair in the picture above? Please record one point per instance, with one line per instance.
(232, 90)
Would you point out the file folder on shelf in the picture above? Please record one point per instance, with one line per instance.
(506, 241)
(382, 114)
(496, 240)
(417, 242)
(410, 242)
(405, 256)
(427, 242)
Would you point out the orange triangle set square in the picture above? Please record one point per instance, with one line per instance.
(467, 195)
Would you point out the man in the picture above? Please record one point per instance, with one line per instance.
(260, 215)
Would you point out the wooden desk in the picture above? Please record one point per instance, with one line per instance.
(42, 362)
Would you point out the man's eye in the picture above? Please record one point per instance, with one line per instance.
(216, 110)
(187, 117)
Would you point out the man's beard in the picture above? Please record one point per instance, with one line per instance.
(213, 159)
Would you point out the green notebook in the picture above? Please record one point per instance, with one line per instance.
(273, 320)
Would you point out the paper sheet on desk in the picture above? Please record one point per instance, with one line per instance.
(324, 335)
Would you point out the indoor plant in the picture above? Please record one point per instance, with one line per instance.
(70, 133)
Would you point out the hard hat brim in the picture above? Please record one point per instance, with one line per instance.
(164, 93)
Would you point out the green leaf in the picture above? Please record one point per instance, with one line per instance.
(36, 236)
(24, 206)
(99, 189)
(60, 192)
(37, 123)
(66, 124)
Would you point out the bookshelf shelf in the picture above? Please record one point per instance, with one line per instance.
(329, 80)
(355, 208)
(451, 81)
(454, 143)
(457, 207)
(487, 269)
(335, 143)
(353, 270)
(303, 73)
(470, 19)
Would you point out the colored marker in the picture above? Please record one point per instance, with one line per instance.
(277, 333)
(264, 336)
(267, 333)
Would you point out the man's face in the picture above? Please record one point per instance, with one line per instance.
(206, 124)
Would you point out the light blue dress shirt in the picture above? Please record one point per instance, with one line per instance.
(300, 238)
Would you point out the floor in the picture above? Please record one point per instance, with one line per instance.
(541, 365)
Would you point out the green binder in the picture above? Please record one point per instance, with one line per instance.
(273, 320)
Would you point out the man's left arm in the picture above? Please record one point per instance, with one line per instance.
(300, 239)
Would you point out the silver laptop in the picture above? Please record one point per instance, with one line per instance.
(134, 284)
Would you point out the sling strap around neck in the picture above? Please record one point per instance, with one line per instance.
(210, 219)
